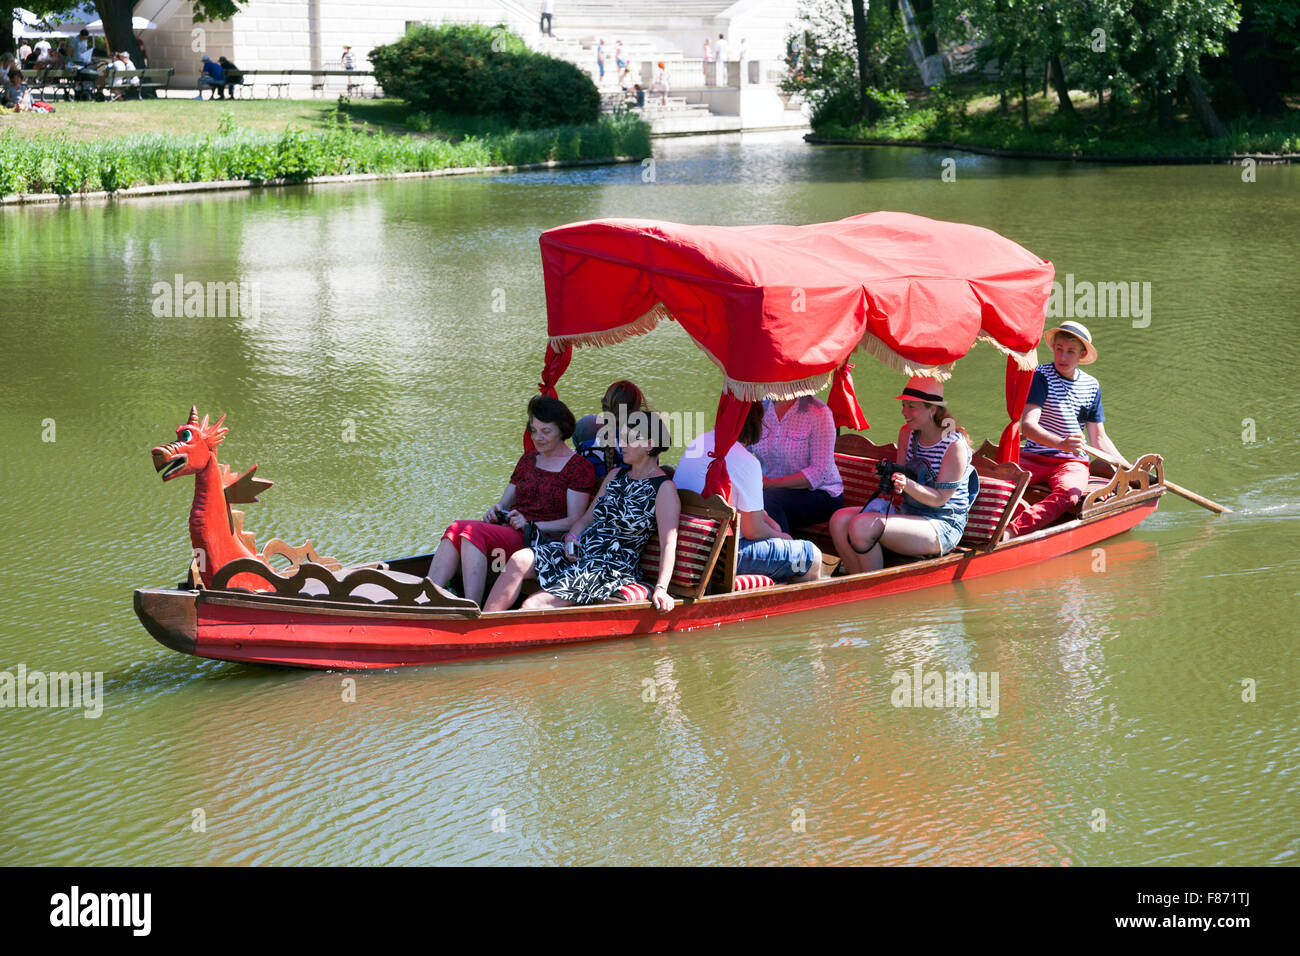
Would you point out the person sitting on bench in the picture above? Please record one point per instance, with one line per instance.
(763, 547)
(1061, 399)
(936, 480)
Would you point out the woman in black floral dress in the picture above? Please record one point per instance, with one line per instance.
(602, 552)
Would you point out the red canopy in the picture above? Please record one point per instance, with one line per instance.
(781, 308)
(778, 308)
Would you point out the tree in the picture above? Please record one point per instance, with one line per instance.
(862, 41)
(116, 15)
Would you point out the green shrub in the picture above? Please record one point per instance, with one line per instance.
(28, 166)
(469, 69)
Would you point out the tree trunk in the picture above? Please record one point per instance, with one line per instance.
(116, 15)
(1047, 72)
(7, 39)
(1003, 106)
(1062, 91)
(1101, 108)
(1024, 93)
(1112, 108)
(1211, 125)
(862, 40)
(924, 10)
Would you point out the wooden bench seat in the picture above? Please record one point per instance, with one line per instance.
(700, 533)
(1002, 486)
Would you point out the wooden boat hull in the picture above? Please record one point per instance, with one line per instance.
(306, 632)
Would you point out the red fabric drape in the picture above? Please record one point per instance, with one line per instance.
(843, 400)
(556, 363)
(1018, 382)
(726, 428)
(552, 369)
(777, 304)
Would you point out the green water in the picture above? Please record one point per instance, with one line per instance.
(383, 394)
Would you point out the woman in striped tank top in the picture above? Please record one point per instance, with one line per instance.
(932, 517)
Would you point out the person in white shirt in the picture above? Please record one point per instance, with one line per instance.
(721, 48)
(763, 547)
(742, 55)
(120, 63)
(24, 51)
(548, 8)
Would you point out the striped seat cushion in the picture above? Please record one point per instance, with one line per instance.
(987, 510)
(859, 477)
(634, 592)
(696, 536)
(749, 582)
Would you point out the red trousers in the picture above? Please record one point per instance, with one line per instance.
(1068, 479)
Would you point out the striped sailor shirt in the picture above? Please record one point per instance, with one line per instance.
(1066, 405)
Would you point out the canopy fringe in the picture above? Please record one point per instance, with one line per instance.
(1026, 360)
(646, 323)
(887, 356)
(757, 391)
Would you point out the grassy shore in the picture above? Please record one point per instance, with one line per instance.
(974, 118)
(92, 146)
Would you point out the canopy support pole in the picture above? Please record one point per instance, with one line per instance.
(732, 412)
(552, 369)
(1018, 382)
(843, 401)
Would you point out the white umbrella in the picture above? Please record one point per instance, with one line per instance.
(27, 24)
(96, 27)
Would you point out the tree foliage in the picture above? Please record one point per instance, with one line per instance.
(469, 69)
(824, 62)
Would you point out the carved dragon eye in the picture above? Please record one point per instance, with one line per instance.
(186, 435)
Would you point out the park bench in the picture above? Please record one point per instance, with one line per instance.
(156, 78)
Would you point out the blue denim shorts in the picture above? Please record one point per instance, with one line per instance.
(948, 529)
(778, 558)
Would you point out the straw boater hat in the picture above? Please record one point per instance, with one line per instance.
(923, 389)
(1079, 332)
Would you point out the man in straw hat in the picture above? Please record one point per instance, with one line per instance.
(1063, 400)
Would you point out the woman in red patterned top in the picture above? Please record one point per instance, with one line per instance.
(549, 489)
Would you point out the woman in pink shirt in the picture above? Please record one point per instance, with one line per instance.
(801, 485)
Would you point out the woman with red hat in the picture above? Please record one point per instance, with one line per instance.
(938, 487)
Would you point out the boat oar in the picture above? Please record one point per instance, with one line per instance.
(1192, 496)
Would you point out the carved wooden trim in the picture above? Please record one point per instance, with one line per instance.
(341, 588)
(1006, 471)
(1127, 483)
(297, 556)
(716, 508)
(862, 447)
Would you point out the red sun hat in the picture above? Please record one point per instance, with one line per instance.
(921, 388)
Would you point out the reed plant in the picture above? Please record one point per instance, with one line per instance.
(294, 155)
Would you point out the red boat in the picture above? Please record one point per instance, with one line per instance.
(780, 309)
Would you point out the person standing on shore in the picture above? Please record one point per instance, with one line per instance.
(708, 58)
(548, 8)
(600, 59)
(742, 54)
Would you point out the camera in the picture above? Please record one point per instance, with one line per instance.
(886, 468)
(502, 517)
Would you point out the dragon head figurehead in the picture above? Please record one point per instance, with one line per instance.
(194, 449)
(216, 530)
